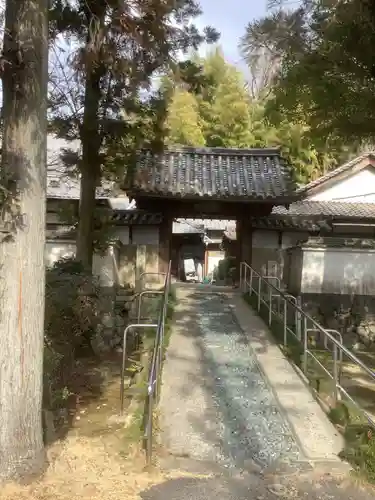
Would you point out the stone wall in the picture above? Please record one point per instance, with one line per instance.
(135, 260)
(352, 315)
(119, 304)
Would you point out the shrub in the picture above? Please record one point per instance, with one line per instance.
(71, 318)
(360, 450)
(225, 269)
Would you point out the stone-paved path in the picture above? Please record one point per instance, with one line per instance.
(220, 419)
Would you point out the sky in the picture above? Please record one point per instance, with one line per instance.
(230, 18)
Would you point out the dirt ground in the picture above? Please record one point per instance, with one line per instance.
(94, 455)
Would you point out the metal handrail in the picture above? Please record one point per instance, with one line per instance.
(159, 326)
(142, 294)
(146, 273)
(247, 286)
(153, 385)
(123, 367)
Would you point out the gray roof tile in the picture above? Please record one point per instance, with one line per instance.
(327, 209)
(246, 174)
(129, 217)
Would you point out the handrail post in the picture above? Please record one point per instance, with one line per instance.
(285, 323)
(251, 281)
(146, 292)
(259, 291)
(298, 320)
(154, 380)
(335, 375)
(123, 366)
(305, 345)
(270, 307)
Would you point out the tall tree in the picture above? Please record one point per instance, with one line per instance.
(183, 123)
(224, 104)
(326, 72)
(121, 47)
(23, 192)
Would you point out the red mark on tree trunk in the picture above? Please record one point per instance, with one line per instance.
(20, 332)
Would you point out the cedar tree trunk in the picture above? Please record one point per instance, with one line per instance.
(22, 275)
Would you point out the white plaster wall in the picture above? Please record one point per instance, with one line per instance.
(103, 265)
(265, 239)
(145, 235)
(213, 259)
(338, 271)
(360, 188)
(290, 239)
(56, 250)
(122, 234)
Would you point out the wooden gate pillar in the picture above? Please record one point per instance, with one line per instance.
(243, 241)
(165, 239)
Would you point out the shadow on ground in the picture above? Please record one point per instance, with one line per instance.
(312, 485)
(241, 416)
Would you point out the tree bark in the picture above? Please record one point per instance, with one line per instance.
(91, 142)
(22, 277)
(90, 170)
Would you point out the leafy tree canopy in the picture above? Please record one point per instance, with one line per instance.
(101, 86)
(227, 111)
(325, 77)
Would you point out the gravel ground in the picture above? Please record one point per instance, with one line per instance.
(252, 427)
(216, 405)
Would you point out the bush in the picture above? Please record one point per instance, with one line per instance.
(71, 319)
(360, 450)
(225, 269)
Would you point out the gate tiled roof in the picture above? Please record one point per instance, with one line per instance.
(228, 174)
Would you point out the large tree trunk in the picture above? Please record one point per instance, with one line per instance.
(90, 170)
(91, 142)
(22, 282)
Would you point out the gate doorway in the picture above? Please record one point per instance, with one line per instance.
(210, 183)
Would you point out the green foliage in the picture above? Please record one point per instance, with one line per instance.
(183, 120)
(71, 318)
(101, 85)
(324, 75)
(228, 113)
(360, 450)
(225, 269)
(340, 415)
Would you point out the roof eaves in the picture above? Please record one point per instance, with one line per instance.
(224, 151)
(340, 170)
(253, 198)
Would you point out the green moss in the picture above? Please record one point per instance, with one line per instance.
(360, 450)
(340, 415)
